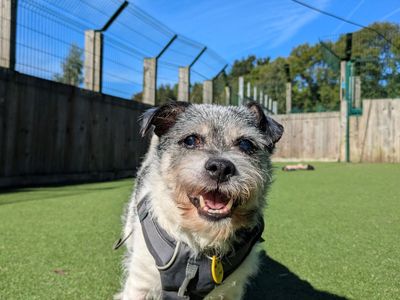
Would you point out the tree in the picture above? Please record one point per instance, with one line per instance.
(166, 93)
(315, 76)
(196, 93)
(72, 67)
(243, 66)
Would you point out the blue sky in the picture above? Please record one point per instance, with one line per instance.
(237, 28)
(232, 28)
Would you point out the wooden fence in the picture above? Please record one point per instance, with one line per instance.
(374, 135)
(309, 136)
(51, 133)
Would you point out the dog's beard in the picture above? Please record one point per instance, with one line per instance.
(215, 212)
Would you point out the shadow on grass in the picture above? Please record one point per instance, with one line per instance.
(275, 281)
(40, 194)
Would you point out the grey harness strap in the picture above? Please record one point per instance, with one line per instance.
(183, 275)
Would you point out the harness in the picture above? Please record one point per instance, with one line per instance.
(184, 275)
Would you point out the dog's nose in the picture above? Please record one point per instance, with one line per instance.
(220, 169)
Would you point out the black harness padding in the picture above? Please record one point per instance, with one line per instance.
(184, 275)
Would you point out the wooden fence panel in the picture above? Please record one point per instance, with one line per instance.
(375, 135)
(52, 133)
(310, 136)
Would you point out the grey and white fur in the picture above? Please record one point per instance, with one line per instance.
(197, 151)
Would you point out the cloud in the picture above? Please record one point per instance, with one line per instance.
(385, 17)
(235, 27)
(276, 28)
(349, 15)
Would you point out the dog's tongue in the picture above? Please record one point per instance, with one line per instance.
(214, 201)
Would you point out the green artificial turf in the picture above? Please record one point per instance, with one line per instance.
(330, 232)
(56, 242)
(338, 227)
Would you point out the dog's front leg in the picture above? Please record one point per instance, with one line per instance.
(234, 286)
(143, 279)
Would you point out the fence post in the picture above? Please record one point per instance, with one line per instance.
(248, 90)
(93, 60)
(227, 95)
(255, 93)
(357, 91)
(288, 97)
(275, 107)
(261, 99)
(150, 75)
(149, 80)
(344, 115)
(184, 84)
(208, 91)
(342, 80)
(265, 102)
(241, 91)
(343, 130)
(8, 30)
(270, 103)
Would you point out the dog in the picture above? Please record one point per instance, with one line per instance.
(195, 219)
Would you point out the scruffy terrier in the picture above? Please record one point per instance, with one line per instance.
(195, 218)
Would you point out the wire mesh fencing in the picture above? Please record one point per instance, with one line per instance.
(52, 37)
(375, 54)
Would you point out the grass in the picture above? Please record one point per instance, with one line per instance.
(56, 243)
(333, 231)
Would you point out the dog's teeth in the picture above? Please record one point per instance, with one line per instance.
(228, 206)
(206, 208)
(202, 203)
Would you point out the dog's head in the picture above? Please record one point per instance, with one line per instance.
(214, 162)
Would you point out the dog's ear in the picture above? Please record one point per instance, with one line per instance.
(162, 118)
(266, 124)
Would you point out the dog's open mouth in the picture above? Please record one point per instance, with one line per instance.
(213, 205)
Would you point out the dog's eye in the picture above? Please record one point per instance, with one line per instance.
(246, 146)
(192, 141)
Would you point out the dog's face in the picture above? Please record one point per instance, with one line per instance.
(214, 161)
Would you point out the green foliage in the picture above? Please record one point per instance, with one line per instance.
(378, 62)
(72, 67)
(196, 93)
(315, 70)
(244, 66)
(166, 93)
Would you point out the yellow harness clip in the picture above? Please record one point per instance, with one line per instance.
(217, 270)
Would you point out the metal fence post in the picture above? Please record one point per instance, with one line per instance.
(241, 91)
(275, 107)
(288, 97)
(227, 95)
(265, 103)
(270, 103)
(357, 92)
